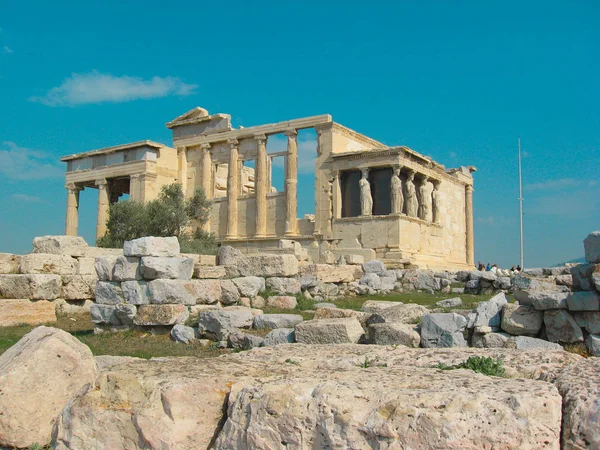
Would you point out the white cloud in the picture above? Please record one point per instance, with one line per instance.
(96, 87)
(20, 163)
(7, 50)
(307, 151)
(558, 184)
(26, 198)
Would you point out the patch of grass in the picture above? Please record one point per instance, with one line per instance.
(371, 363)
(128, 343)
(291, 361)
(479, 364)
(418, 298)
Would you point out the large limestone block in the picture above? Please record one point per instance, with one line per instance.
(95, 252)
(591, 246)
(490, 340)
(374, 266)
(201, 260)
(443, 330)
(60, 245)
(280, 285)
(38, 376)
(593, 344)
(371, 280)
(78, 287)
(394, 334)
(163, 267)
(72, 307)
(24, 311)
(115, 315)
(230, 294)
(279, 336)
(152, 246)
(581, 275)
(48, 263)
(328, 273)
(127, 268)
(529, 343)
(250, 286)
(203, 272)
(544, 300)
(590, 320)
(335, 313)
(135, 292)
(400, 313)
(422, 280)
(220, 323)
(579, 385)
(228, 255)
(109, 293)
(401, 408)
(282, 302)
(584, 301)
(265, 266)
(272, 321)
(9, 263)
(105, 266)
(561, 327)
(186, 292)
(243, 341)
(329, 331)
(521, 320)
(149, 315)
(183, 334)
(374, 306)
(489, 314)
(31, 286)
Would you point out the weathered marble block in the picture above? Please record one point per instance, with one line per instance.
(135, 292)
(203, 272)
(78, 287)
(60, 245)
(109, 293)
(150, 315)
(105, 266)
(394, 334)
(250, 286)
(17, 312)
(591, 246)
(154, 267)
(48, 263)
(31, 286)
(272, 321)
(152, 246)
(187, 292)
(443, 330)
(219, 323)
(127, 268)
(9, 263)
(329, 331)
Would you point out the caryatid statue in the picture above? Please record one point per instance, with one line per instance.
(411, 196)
(396, 192)
(366, 200)
(435, 196)
(425, 200)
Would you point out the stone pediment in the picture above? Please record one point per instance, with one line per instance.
(192, 114)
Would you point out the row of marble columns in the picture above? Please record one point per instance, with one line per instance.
(417, 201)
(261, 180)
(137, 191)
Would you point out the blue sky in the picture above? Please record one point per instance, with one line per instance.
(457, 81)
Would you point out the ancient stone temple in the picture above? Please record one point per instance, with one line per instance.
(371, 200)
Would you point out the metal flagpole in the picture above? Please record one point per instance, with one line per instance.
(521, 202)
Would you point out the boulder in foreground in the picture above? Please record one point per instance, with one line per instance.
(38, 376)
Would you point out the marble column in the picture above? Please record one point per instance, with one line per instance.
(291, 184)
(261, 187)
(103, 205)
(182, 168)
(134, 187)
(233, 187)
(72, 209)
(206, 182)
(206, 170)
(469, 225)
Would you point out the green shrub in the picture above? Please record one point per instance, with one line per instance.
(168, 215)
(480, 364)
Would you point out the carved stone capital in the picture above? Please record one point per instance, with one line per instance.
(134, 176)
(101, 183)
(469, 189)
(233, 142)
(323, 127)
(73, 187)
(205, 147)
(181, 149)
(291, 132)
(260, 138)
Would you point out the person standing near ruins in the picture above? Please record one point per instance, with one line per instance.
(411, 196)
(396, 192)
(366, 200)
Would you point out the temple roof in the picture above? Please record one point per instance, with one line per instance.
(116, 148)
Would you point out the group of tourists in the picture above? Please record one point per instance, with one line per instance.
(495, 269)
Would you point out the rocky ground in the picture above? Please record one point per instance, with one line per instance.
(295, 396)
